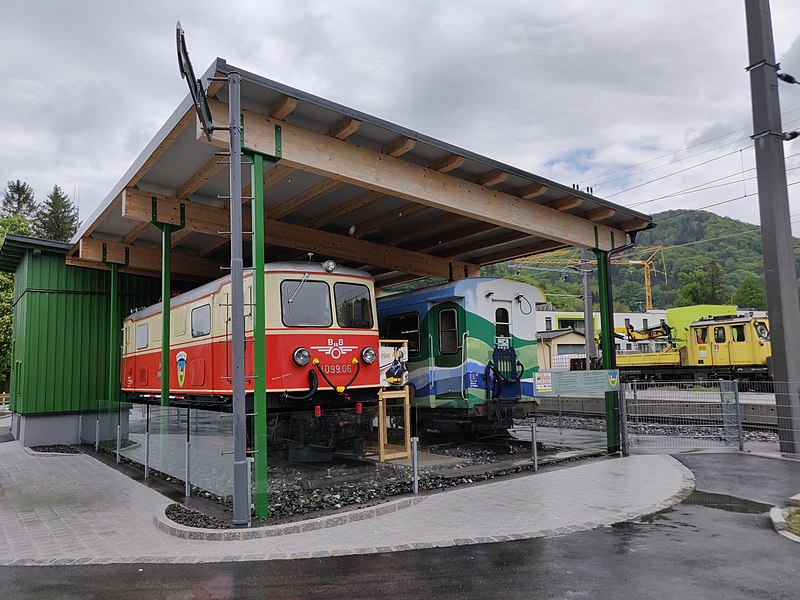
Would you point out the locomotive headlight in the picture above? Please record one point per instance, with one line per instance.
(329, 266)
(368, 355)
(301, 356)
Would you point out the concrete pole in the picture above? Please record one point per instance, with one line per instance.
(776, 230)
(241, 487)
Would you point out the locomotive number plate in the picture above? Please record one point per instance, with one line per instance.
(337, 369)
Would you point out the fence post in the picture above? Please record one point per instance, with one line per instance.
(623, 431)
(635, 388)
(414, 465)
(738, 413)
(534, 449)
(147, 445)
(559, 413)
(188, 487)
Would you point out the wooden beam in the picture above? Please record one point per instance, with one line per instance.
(134, 233)
(303, 198)
(402, 235)
(519, 251)
(271, 177)
(485, 244)
(283, 108)
(213, 167)
(346, 208)
(532, 190)
(147, 259)
(210, 219)
(344, 128)
(447, 163)
(566, 203)
(366, 168)
(633, 225)
(490, 178)
(399, 146)
(370, 225)
(441, 241)
(599, 214)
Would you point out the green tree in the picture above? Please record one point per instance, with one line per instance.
(57, 219)
(12, 224)
(694, 289)
(718, 291)
(18, 200)
(751, 294)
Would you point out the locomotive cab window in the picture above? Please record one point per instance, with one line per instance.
(737, 333)
(305, 303)
(142, 335)
(353, 305)
(201, 320)
(448, 331)
(502, 323)
(719, 335)
(702, 335)
(404, 327)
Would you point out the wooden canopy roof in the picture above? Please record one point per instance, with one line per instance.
(348, 186)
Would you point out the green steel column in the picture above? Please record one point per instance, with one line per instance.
(607, 344)
(113, 337)
(166, 293)
(259, 344)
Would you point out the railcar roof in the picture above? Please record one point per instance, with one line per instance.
(364, 191)
(729, 319)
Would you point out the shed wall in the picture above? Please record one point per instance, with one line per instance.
(60, 333)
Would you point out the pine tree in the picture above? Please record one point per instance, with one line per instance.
(18, 200)
(57, 219)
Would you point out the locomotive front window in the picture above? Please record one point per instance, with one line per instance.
(142, 335)
(305, 303)
(201, 321)
(502, 323)
(404, 327)
(702, 335)
(353, 305)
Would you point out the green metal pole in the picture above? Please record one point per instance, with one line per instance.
(166, 292)
(259, 343)
(607, 344)
(113, 337)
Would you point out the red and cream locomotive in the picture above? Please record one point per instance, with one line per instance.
(321, 340)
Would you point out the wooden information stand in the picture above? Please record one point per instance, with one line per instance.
(388, 393)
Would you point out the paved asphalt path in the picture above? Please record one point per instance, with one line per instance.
(687, 552)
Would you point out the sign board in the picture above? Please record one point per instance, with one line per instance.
(575, 383)
(393, 362)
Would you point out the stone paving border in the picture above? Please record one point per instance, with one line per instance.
(167, 525)
(778, 517)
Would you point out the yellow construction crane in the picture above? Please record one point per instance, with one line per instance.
(645, 256)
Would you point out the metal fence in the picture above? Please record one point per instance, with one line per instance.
(707, 414)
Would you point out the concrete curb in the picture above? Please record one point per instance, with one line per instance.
(778, 517)
(46, 454)
(167, 525)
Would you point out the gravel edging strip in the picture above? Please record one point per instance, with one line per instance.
(167, 525)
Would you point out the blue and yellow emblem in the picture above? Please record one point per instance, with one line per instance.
(181, 360)
(613, 378)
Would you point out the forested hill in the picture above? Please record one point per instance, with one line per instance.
(708, 259)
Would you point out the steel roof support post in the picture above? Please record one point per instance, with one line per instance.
(259, 342)
(166, 294)
(776, 230)
(607, 346)
(241, 488)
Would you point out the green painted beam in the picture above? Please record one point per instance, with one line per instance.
(607, 345)
(260, 498)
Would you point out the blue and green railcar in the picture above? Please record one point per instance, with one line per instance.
(471, 349)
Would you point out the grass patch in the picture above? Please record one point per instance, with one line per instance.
(793, 520)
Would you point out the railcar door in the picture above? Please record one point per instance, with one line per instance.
(445, 330)
(503, 381)
(721, 347)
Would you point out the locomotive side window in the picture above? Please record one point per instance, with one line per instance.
(502, 323)
(737, 333)
(201, 320)
(305, 303)
(448, 331)
(353, 305)
(702, 335)
(142, 335)
(719, 335)
(404, 327)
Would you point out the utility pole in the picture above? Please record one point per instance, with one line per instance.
(776, 231)
(588, 313)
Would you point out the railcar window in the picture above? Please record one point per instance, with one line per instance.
(737, 333)
(201, 320)
(305, 303)
(502, 324)
(353, 305)
(142, 335)
(448, 331)
(404, 327)
(702, 335)
(719, 335)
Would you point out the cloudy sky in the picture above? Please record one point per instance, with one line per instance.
(647, 102)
